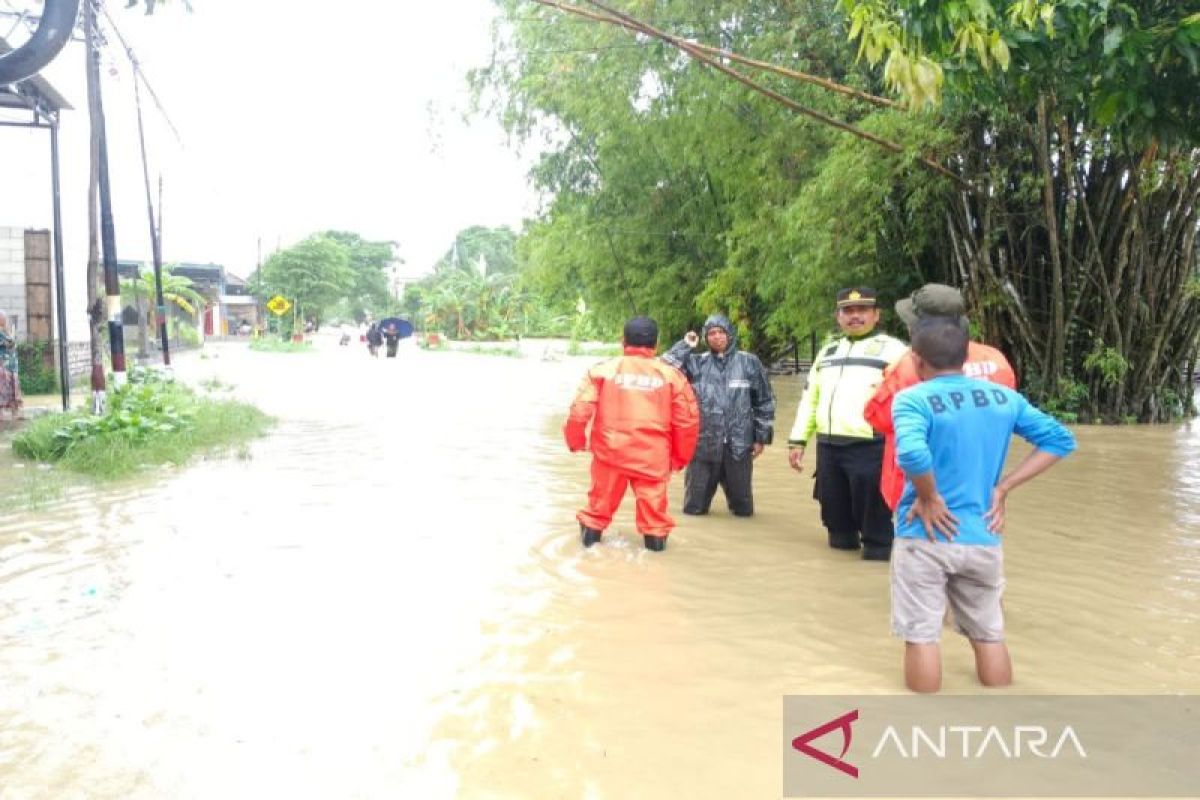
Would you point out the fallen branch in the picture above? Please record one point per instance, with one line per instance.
(696, 51)
(767, 66)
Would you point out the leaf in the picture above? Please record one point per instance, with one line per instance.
(1106, 114)
(857, 26)
(1112, 39)
(1000, 52)
(980, 47)
(929, 80)
(1047, 15)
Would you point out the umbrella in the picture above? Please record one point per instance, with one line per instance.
(402, 326)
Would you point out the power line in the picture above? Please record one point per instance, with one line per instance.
(139, 73)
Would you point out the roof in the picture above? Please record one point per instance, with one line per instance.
(31, 93)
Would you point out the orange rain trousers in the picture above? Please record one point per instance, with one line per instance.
(608, 488)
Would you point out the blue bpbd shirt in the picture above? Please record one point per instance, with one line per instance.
(960, 428)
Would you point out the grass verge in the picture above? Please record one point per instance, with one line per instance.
(584, 349)
(484, 350)
(147, 424)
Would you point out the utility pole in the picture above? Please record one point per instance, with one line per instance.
(155, 226)
(158, 282)
(108, 246)
(112, 284)
(94, 304)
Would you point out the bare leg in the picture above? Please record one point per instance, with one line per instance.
(922, 667)
(992, 663)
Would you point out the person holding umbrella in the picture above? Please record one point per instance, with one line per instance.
(394, 329)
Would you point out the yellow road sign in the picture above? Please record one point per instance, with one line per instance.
(278, 305)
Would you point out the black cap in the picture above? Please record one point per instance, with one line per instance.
(856, 296)
(641, 332)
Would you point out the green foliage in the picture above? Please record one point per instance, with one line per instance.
(674, 192)
(150, 420)
(36, 368)
(476, 291)
(1132, 65)
(478, 245)
(143, 407)
(177, 289)
(1107, 363)
(335, 273)
(183, 332)
(484, 350)
(314, 274)
(670, 186)
(369, 261)
(600, 350)
(1067, 402)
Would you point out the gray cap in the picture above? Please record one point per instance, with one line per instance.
(931, 300)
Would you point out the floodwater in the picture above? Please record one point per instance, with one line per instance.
(387, 598)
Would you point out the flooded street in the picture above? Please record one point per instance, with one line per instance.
(388, 598)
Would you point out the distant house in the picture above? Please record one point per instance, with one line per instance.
(228, 301)
(238, 305)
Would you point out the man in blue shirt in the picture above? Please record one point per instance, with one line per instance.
(952, 436)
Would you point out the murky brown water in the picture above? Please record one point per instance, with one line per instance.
(389, 600)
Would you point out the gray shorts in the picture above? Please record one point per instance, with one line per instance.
(926, 574)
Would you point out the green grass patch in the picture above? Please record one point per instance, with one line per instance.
(272, 345)
(509, 351)
(149, 422)
(583, 349)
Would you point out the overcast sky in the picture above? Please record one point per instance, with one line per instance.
(298, 116)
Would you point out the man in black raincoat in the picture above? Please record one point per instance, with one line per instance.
(737, 416)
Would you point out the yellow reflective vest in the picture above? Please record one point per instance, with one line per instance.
(840, 383)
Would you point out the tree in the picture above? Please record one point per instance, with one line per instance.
(666, 182)
(314, 274)
(1070, 215)
(369, 262)
(1080, 128)
(496, 246)
(177, 289)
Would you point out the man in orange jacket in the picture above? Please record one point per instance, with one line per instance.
(645, 425)
(983, 362)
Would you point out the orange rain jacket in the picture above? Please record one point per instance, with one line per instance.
(983, 362)
(646, 417)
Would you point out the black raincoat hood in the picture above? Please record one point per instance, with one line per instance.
(721, 321)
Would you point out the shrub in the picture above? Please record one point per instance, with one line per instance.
(149, 420)
(36, 368)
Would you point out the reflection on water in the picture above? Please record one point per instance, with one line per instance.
(389, 599)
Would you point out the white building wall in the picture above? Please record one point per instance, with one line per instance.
(25, 173)
(26, 197)
(12, 279)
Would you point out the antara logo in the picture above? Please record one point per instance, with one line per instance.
(843, 723)
(1021, 741)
